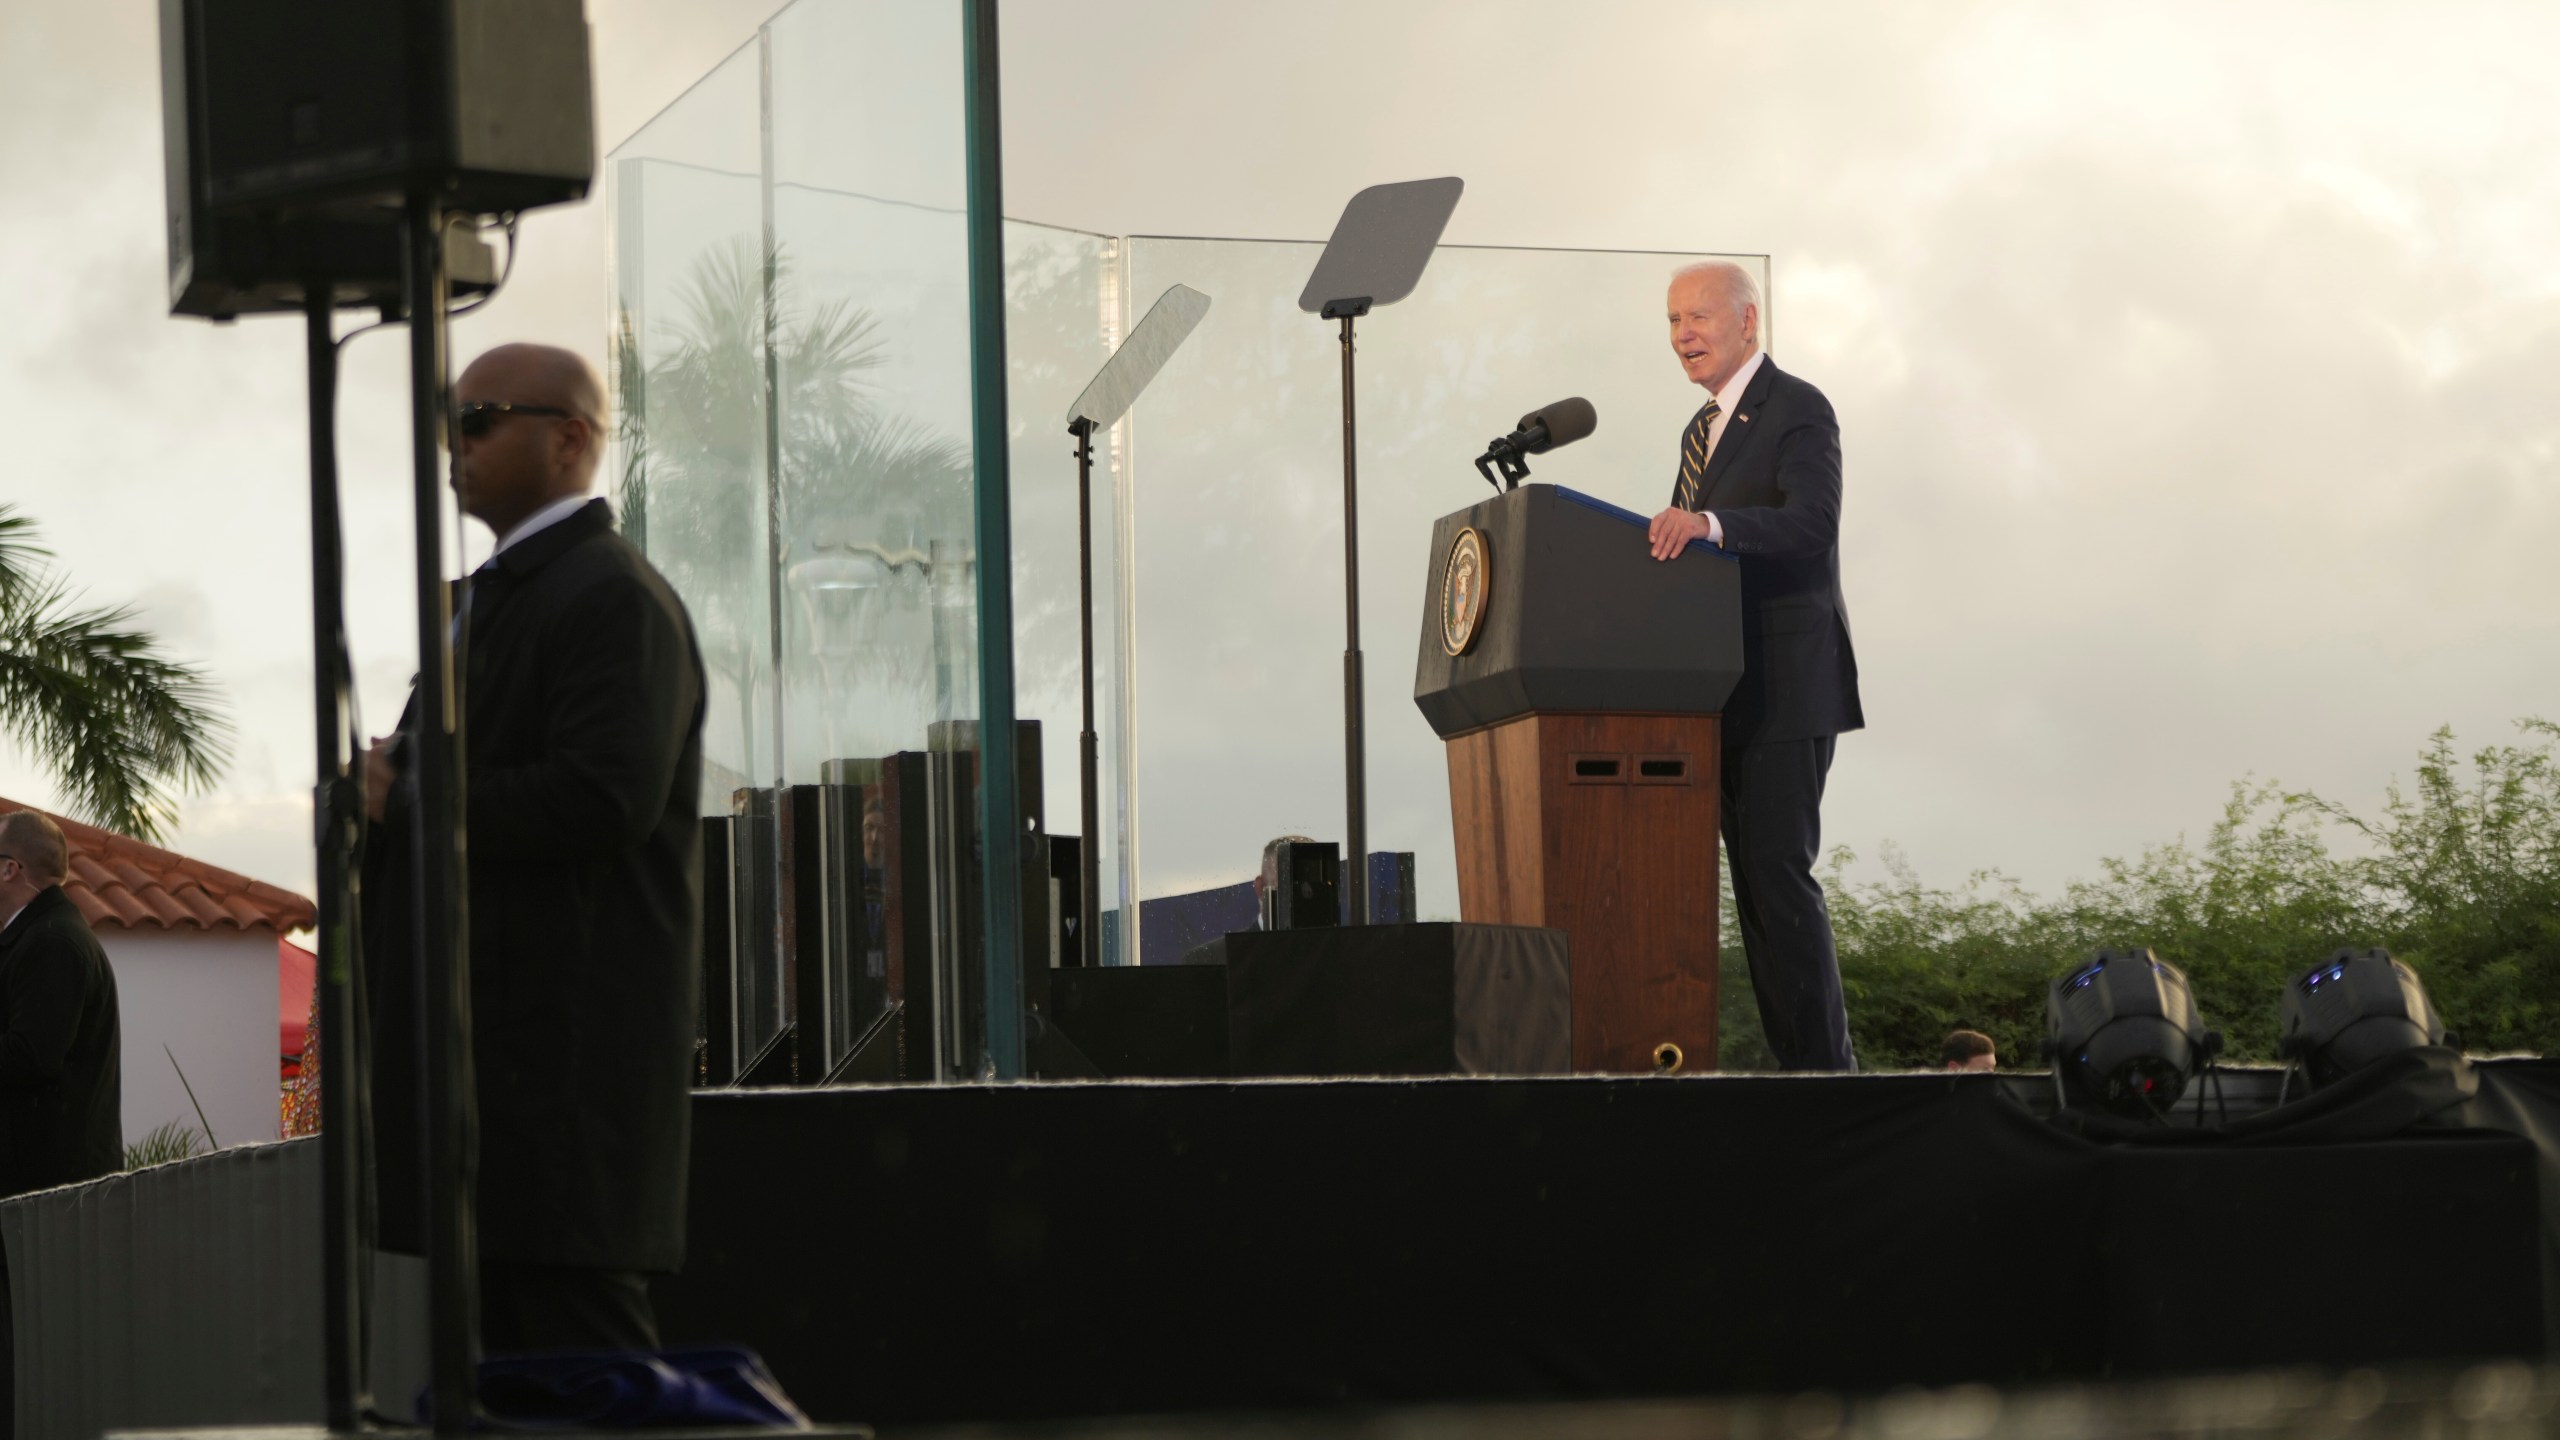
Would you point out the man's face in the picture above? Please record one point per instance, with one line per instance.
(1985, 1061)
(1709, 334)
(512, 470)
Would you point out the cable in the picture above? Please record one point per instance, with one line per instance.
(506, 269)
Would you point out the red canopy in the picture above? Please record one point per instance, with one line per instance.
(295, 970)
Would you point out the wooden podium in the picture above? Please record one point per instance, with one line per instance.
(1577, 682)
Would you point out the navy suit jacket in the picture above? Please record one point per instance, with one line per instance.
(1774, 485)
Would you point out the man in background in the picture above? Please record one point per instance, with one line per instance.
(1759, 475)
(583, 702)
(61, 1049)
(1969, 1050)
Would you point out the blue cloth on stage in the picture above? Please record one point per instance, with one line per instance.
(698, 1388)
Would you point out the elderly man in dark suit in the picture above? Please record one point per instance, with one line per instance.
(583, 698)
(1760, 476)
(61, 1049)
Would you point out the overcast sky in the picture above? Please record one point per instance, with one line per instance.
(2193, 361)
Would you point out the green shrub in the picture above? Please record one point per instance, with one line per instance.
(176, 1140)
(2460, 878)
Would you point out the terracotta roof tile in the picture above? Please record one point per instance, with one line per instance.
(120, 882)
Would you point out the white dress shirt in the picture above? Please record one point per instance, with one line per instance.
(1728, 400)
(568, 505)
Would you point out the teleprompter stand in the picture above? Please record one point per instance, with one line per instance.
(1114, 389)
(1379, 248)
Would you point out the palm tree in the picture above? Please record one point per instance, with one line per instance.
(694, 481)
(123, 726)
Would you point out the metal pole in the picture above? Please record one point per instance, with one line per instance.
(773, 506)
(1000, 821)
(336, 811)
(1089, 882)
(442, 912)
(1355, 765)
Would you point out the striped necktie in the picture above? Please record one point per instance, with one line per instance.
(1693, 455)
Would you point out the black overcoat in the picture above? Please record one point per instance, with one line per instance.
(583, 726)
(61, 1050)
(1774, 485)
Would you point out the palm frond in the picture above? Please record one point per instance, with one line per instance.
(22, 556)
(124, 726)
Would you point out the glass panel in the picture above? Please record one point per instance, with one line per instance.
(792, 370)
(1062, 317)
(690, 473)
(874, 531)
(1238, 480)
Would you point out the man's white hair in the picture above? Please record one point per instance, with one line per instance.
(1739, 285)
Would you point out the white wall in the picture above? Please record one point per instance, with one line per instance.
(210, 997)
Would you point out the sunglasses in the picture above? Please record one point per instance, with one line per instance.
(481, 416)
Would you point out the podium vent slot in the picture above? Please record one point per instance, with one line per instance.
(1663, 769)
(1600, 769)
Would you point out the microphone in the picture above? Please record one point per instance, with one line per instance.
(1538, 432)
(1559, 424)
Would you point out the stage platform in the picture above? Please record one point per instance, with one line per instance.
(914, 1255)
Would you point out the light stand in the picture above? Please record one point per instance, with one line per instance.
(1113, 389)
(348, 205)
(1379, 248)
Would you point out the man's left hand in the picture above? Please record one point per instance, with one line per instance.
(1673, 529)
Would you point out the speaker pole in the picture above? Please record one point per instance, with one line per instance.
(337, 811)
(442, 917)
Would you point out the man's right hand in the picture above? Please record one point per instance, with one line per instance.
(1673, 529)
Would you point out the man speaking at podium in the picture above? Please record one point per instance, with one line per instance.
(1760, 476)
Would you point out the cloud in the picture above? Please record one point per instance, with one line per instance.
(2192, 362)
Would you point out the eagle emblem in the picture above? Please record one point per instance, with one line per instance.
(1466, 580)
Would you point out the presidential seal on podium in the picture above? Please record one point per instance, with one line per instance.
(1464, 583)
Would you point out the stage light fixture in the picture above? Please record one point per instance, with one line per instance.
(2352, 1009)
(2124, 1033)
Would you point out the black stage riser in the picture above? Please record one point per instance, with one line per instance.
(906, 1254)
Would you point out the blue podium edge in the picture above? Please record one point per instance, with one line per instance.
(1641, 522)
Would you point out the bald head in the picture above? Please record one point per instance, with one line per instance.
(543, 374)
(539, 411)
(35, 842)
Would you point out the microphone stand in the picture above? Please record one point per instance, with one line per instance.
(1513, 462)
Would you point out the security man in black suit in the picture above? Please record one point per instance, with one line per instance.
(1760, 476)
(583, 698)
(61, 1044)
